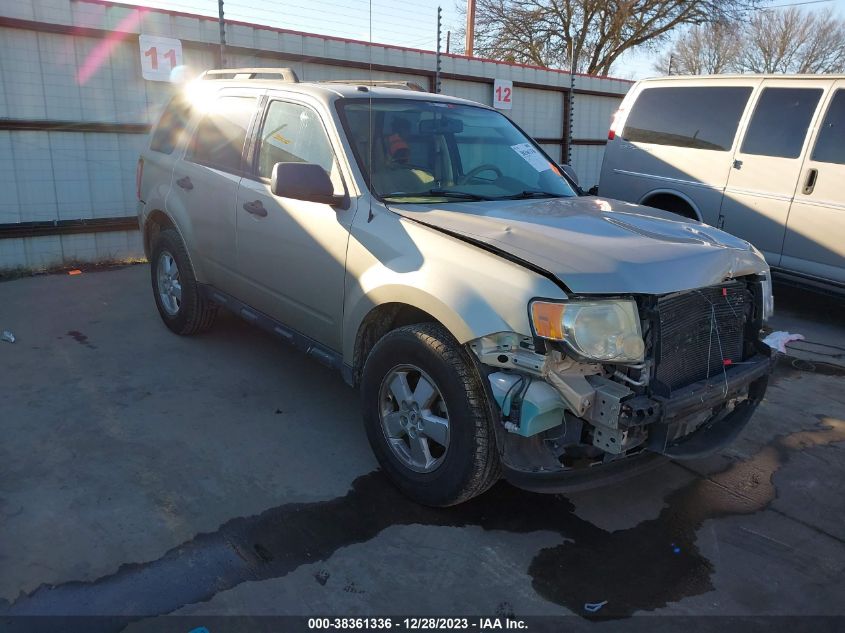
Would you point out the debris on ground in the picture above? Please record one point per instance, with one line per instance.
(778, 340)
(75, 271)
(594, 607)
(7, 336)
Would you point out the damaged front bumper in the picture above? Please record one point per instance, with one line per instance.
(576, 431)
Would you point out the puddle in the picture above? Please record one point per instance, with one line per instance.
(641, 568)
(657, 562)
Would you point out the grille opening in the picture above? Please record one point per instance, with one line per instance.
(700, 333)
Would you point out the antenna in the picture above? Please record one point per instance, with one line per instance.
(437, 71)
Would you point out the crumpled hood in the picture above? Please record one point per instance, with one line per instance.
(596, 245)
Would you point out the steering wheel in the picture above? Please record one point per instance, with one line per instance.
(472, 173)
(410, 166)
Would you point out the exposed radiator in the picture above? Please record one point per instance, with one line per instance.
(700, 332)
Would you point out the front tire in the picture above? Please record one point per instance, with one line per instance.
(177, 294)
(427, 416)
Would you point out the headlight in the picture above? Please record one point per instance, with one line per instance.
(599, 330)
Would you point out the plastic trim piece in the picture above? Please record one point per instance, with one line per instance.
(303, 343)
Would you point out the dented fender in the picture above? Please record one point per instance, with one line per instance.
(394, 260)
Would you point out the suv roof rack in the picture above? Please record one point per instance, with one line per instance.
(285, 74)
(378, 83)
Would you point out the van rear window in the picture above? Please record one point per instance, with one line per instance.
(699, 117)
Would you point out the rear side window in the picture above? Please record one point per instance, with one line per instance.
(699, 117)
(171, 125)
(830, 146)
(220, 135)
(780, 122)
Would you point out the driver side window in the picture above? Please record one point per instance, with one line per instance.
(295, 134)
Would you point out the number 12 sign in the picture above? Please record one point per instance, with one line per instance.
(159, 56)
(502, 94)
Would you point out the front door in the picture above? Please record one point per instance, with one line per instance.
(815, 233)
(767, 164)
(292, 253)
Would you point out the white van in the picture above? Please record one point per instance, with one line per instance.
(760, 156)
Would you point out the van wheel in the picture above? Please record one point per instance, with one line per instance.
(427, 416)
(177, 294)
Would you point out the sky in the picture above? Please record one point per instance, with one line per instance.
(411, 23)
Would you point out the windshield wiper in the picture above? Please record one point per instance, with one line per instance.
(438, 193)
(531, 193)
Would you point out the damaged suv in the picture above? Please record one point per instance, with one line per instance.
(496, 320)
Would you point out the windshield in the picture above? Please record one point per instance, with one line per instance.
(414, 151)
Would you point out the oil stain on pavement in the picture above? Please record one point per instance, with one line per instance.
(641, 568)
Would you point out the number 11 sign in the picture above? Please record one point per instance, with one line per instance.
(502, 94)
(159, 56)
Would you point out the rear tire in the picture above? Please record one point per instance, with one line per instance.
(178, 296)
(461, 461)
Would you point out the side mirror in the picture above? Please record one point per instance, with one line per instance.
(567, 169)
(304, 181)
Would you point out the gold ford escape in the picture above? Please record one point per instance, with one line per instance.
(496, 320)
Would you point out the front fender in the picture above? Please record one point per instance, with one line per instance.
(472, 292)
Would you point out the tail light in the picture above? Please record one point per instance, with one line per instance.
(615, 124)
(139, 174)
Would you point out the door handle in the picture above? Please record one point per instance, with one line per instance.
(185, 183)
(810, 182)
(255, 208)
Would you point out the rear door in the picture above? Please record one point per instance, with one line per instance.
(292, 253)
(767, 163)
(205, 183)
(815, 232)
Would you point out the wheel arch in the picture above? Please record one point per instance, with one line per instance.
(669, 198)
(380, 320)
(408, 306)
(157, 221)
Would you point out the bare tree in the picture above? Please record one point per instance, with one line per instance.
(706, 49)
(789, 41)
(793, 41)
(596, 32)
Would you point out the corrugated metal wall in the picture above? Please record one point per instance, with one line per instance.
(74, 111)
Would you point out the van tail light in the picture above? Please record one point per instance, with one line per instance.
(615, 124)
(139, 174)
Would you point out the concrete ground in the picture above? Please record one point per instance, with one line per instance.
(142, 474)
(818, 318)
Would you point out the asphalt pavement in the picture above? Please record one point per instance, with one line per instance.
(144, 474)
